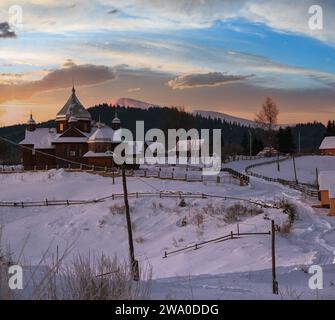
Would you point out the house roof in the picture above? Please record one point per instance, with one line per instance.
(325, 179)
(73, 108)
(102, 134)
(40, 138)
(328, 143)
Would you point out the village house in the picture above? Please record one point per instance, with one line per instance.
(325, 180)
(327, 147)
(332, 199)
(76, 140)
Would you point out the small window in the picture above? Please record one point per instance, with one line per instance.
(72, 153)
(61, 127)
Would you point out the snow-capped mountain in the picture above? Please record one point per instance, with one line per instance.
(226, 117)
(132, 103)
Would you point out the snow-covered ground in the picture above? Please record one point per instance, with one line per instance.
(306, 168)
(232, 269)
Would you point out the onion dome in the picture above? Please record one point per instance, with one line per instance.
(116, 120)
(73, 107)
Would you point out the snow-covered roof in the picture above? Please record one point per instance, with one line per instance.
(73, 107)
(116, 119)
(102, 134)
(41, 138)
(106, 134)
(70, 140)
(328, 143)
(325, 179)
(91, 154)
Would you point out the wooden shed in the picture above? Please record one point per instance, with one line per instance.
(332, 199)
(327, 147)
(325, 179)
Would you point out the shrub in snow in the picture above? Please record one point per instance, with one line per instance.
(198, 220)
(139, 240)
(213, 210)
(290, 209)
(285, 228)
(235, 212)
(118, 209)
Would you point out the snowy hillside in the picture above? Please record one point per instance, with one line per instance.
(132, 103)
(226, 117)
(158, 227)
(306, 168)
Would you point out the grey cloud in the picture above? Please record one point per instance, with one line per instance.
(212, 79)
(5, 31)
(58, 79)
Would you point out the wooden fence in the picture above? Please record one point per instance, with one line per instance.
(114, 196)
(191, 173)
(308, 189)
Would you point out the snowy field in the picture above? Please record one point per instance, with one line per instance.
(232, 269)
(306, 168)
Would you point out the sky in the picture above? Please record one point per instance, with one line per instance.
(217, 55)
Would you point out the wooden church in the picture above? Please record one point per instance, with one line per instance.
(75, 140)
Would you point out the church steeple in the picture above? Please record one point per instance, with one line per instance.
(31, 124)
(116, 122)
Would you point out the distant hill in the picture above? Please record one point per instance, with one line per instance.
(233, 131)
(132, 103)
(227, 118)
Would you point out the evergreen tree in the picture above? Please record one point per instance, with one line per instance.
(245, 143)
(285, 140)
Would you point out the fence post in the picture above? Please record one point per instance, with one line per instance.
(273, 247)
(218, 179)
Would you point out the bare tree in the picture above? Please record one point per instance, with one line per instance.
(267, 117)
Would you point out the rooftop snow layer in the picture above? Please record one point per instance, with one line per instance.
(326, 178)
(41, 138)
(328, 143)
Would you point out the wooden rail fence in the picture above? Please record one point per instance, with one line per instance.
(114, 196)
(308, 189)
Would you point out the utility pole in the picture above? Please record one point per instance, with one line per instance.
(299, 142)
(295, 169)
(133, 262)
(278, 164)
(113, 176)
(273, 242)
(250, 143)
